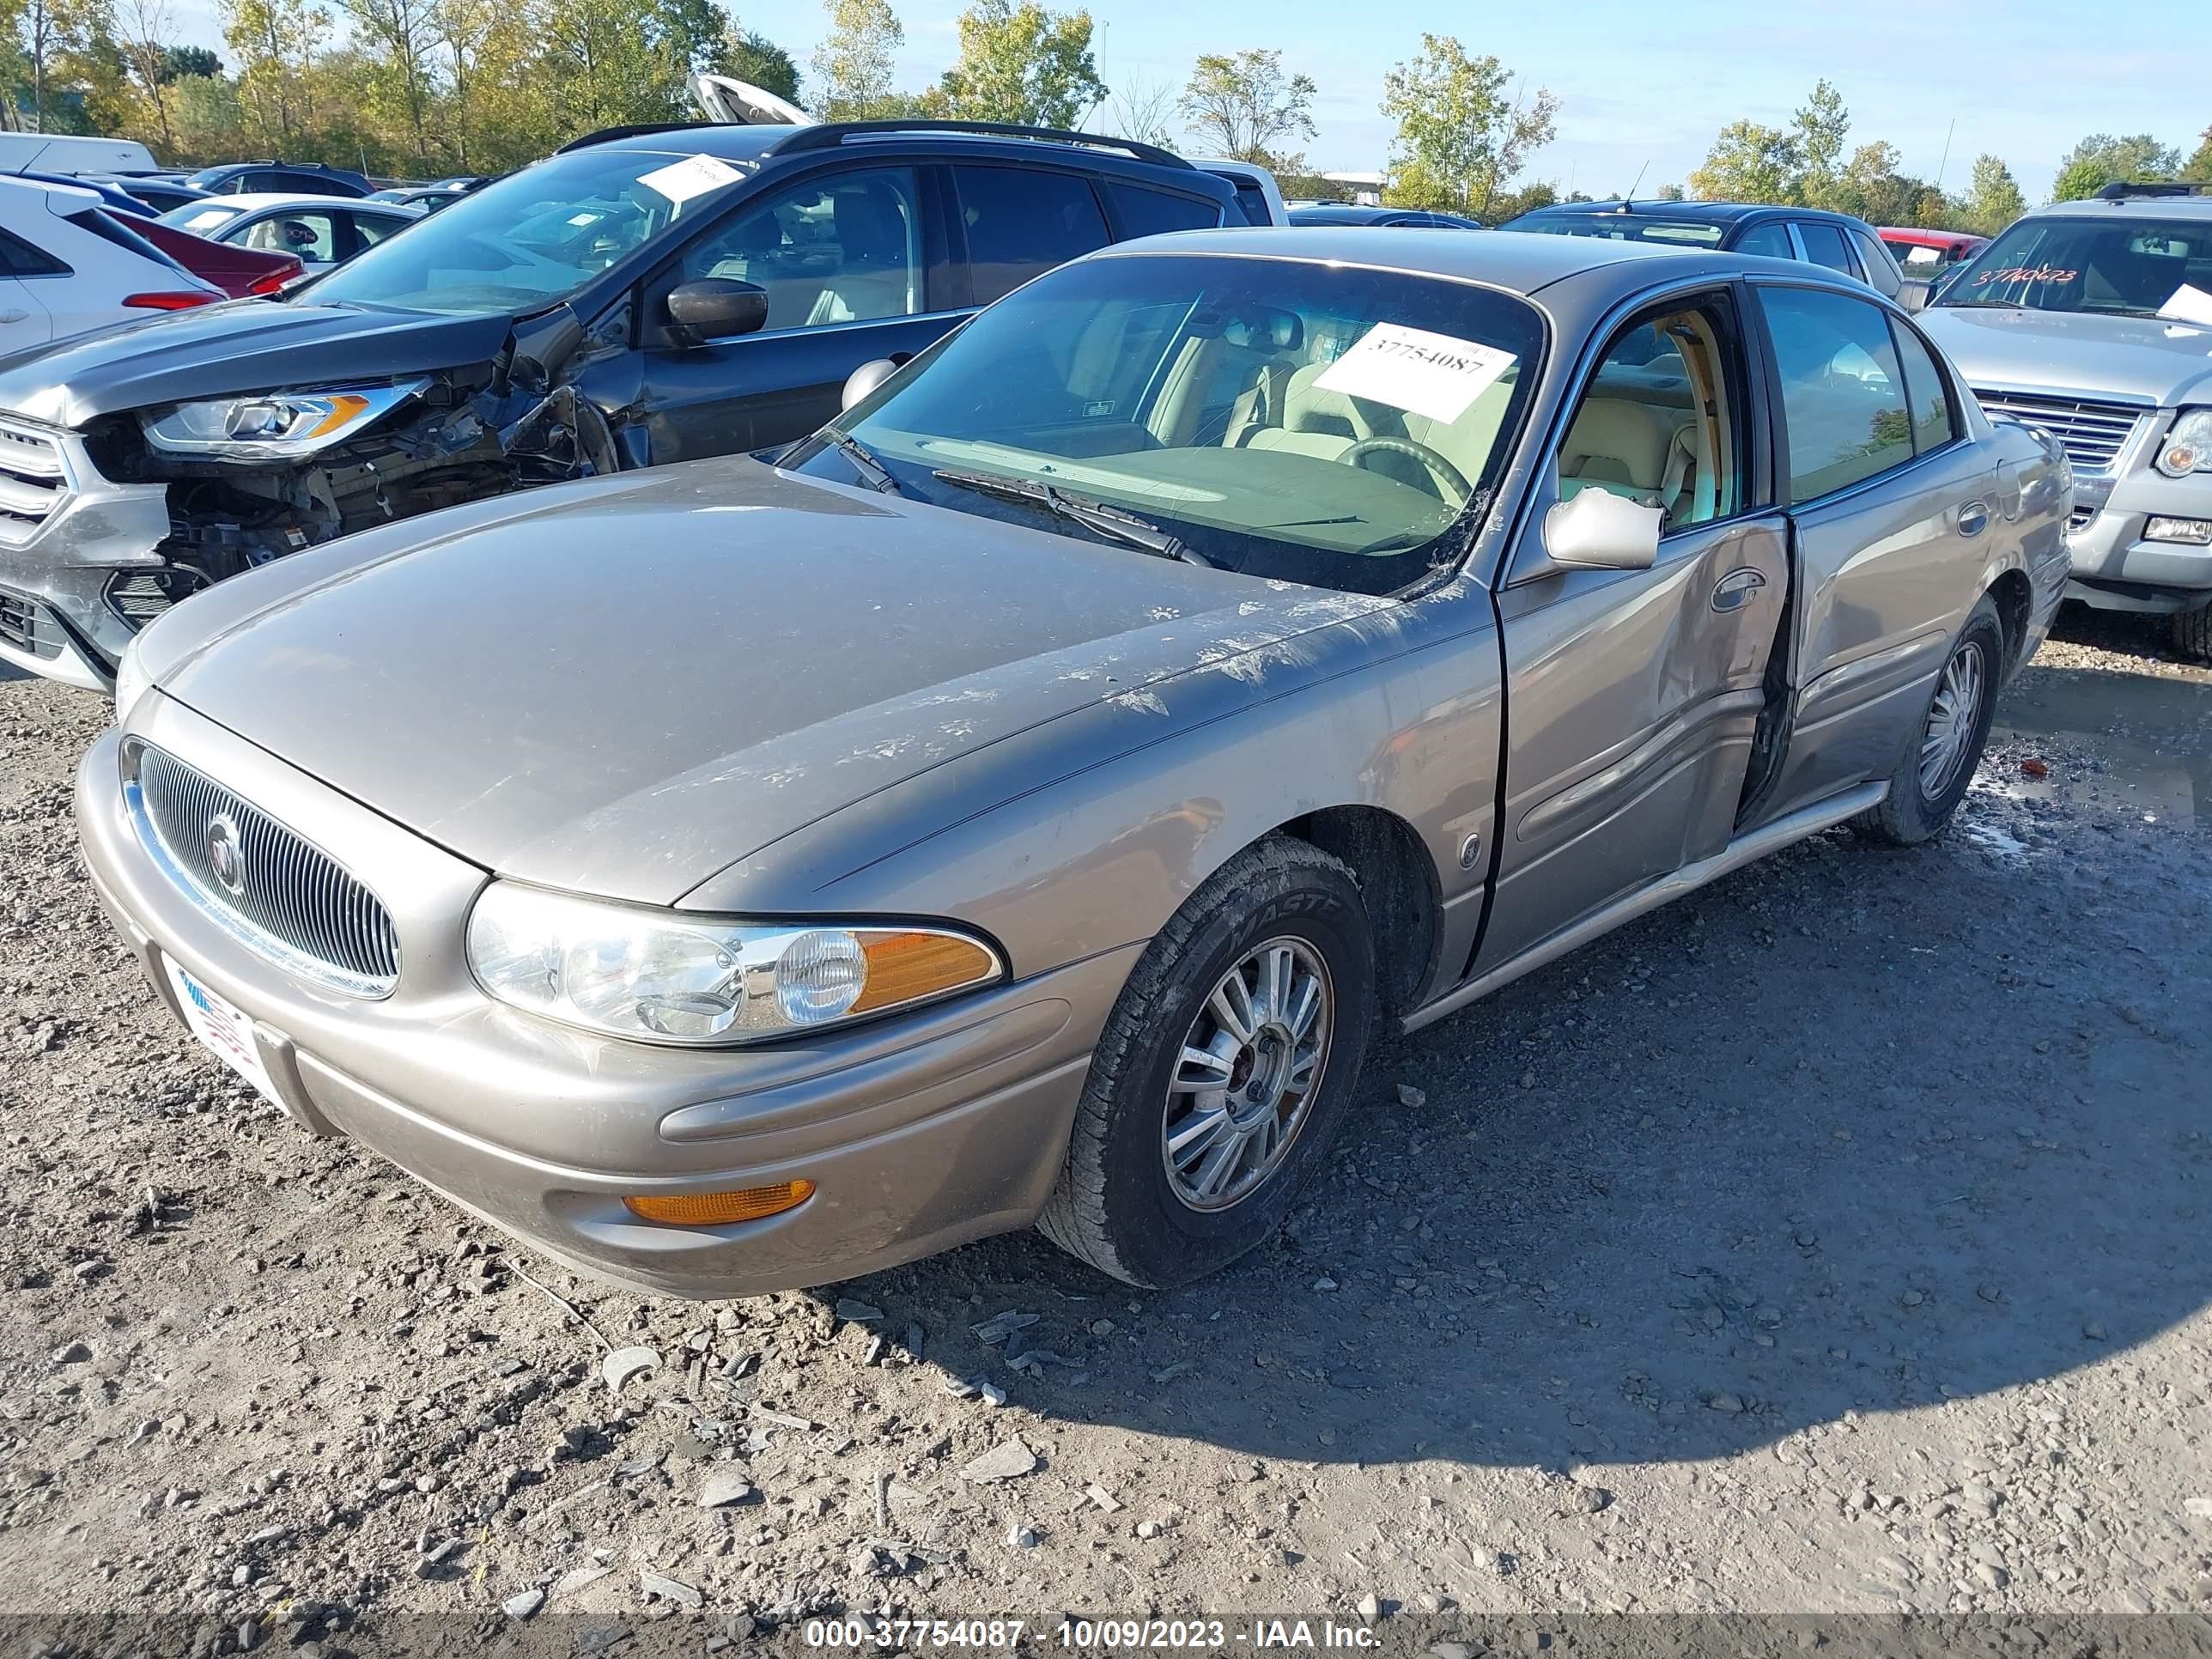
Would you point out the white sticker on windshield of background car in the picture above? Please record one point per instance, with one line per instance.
(2188, 304)
(695, 175)
(1412, 369)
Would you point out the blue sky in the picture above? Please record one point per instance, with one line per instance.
(1644, 82)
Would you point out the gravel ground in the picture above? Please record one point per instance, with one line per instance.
(1831, 1241)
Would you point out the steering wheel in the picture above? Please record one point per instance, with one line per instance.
(1451, 481)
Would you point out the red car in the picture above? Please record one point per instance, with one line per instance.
(1930, 252)
(240, 272)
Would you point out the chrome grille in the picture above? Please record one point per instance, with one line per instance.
(34, 482)
(2092, 434)
(290, 901)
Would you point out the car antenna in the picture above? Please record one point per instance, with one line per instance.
(1640, 172)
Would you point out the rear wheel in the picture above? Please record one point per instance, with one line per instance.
(2192, 633)
(1938, 764)
(1225, 1071)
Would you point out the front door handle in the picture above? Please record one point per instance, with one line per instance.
(1733, 591)
(1973, 518)
(14, 316)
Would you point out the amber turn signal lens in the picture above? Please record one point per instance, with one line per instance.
(719, 1209)
(906, 967)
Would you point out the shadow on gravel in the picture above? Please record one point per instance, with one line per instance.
(1855, 1131)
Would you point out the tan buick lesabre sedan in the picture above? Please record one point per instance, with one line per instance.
(1024, 803)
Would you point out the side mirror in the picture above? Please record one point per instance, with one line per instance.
(1914, 293)
(1600, 531)
(863, 381)
(715, 307)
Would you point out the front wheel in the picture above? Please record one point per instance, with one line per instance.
(2192, 633)
(1228, 1064)
(1939, 763)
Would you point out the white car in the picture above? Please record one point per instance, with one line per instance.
(68, 266)
(323, 230)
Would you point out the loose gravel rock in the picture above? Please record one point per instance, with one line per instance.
(1602, 1304)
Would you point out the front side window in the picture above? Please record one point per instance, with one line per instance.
(1659, 421)
(1769, 241)
(1331, 425)
(536, 235)
(843, 248)
(2121, 265)
(373, 228)
(1843, 394)
(1022, 220)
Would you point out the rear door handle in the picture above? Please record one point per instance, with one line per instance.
(1973, 518)
(1733, 591)
(14, 316)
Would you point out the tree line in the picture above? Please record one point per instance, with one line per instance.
(424, 88)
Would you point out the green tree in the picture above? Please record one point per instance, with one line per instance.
(1993, 199)
(1670, 193)
(2198, 169)
(1818, 130)
(1749, 162)
(1145, 111)
(2100, 159)
(750, 56)
(1242, 105)
(273, 42)
(178, 61)
(854, 63)
(1463, 134)
(145, 33)
(401, 37)
(1021, 64)
(49, 32)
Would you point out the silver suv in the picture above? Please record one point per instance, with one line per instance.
(2093, 321)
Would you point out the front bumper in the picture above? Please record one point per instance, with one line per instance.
(65, 533)
(2114, 567)
(922, 1131)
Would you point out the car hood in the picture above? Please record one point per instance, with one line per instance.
(626, 685)
(245, 345)
(2075, 353)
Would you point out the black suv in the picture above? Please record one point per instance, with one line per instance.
(274, 178)
(646, 295)
(1810, 235)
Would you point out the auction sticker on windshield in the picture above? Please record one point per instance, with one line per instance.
(695, 175)
(1412, 369)
(226, 1030)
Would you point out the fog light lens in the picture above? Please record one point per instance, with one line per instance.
(721, 1209)
(2179, 530)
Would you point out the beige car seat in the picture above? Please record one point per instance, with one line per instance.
(874, 277)
(1636, 450)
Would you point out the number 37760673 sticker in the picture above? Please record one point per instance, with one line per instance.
(1412, 369)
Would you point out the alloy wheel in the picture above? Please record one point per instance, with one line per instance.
(1247, 1075)
(1952, 721)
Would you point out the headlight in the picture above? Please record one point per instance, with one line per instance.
(274, 425)
(131, 681)
(663, 976)
(2188, 447)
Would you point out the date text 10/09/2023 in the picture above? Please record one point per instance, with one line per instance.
(1085, 1635)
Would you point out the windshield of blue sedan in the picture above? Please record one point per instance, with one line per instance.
(535, 236)
(1328, 424)
(2126, 266)
(1624, 227)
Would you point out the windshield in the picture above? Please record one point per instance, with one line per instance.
(1326, 424)
(1624, 227)
(2122, 266)
(200, 218)
(534, 237)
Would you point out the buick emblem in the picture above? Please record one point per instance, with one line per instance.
(226, 858)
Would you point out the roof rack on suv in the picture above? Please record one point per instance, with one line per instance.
(2121, 191)
(830, 134)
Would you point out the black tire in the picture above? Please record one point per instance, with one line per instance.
(1115, 1206)
(2192, 633)
(1910, 815)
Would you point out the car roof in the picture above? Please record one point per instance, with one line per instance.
(2141, 207)
(1715, 213)
(730, 142)
(1347, 212)
(280, 202)
(1521, 264)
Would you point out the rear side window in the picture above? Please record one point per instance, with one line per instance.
(1770, 241)
(1881, 270)
(1843, 394)
(1252, 201)
(1150, 212)
(1021, 222)
(1824, 245)
(1928, 394)
(19, 259)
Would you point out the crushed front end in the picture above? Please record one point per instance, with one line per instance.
(103, 528)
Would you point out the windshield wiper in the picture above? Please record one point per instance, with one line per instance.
(878, 476)
(1112, 522)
